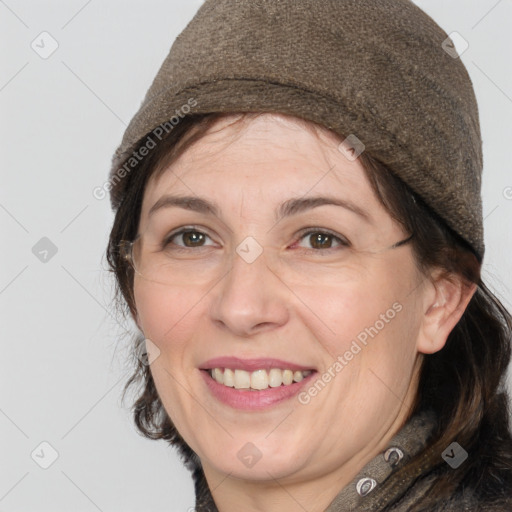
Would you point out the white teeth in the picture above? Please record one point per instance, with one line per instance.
(218, 375)
(229, 377)
(242, 379)
(275, 377)
(297, 376)
(287, 377)
(257, 380)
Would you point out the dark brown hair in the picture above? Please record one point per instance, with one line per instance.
(463, 383)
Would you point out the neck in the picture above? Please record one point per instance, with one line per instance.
(300, 491)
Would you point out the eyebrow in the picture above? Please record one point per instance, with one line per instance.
(290, 207)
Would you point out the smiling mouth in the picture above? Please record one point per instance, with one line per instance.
(257, 380)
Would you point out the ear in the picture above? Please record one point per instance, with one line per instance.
(445, 300)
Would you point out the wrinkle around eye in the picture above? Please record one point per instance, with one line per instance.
(305, 234)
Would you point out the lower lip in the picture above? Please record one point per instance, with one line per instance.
(252, 400)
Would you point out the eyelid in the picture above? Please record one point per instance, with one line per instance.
(315, 229)
(298, 236)
(185, 229)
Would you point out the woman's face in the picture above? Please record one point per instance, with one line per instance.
(259, 287)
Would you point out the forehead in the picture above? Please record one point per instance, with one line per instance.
(265, 160)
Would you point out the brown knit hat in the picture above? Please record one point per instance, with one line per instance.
(381, 70)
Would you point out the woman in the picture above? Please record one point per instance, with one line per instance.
(299, 238)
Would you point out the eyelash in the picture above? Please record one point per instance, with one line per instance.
(304, 232)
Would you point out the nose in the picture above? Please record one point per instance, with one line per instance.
(250, 298)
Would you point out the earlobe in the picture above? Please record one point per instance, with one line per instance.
(445, 304)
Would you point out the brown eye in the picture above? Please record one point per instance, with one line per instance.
(193, 238)
(321, 239)
(186, 238)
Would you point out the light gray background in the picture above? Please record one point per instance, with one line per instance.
(64, 362)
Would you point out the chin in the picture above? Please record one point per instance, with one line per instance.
(257, 461)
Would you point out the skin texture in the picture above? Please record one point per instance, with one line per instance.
(290, 303)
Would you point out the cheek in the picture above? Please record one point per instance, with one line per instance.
(169, 317)
(369, 352)
(370, 324)
(343, 313)
(165, 312)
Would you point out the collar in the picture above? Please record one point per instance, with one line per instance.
(363, 493)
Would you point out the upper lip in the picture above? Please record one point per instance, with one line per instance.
(251, 365)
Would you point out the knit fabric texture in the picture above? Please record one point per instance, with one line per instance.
(380, 70)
